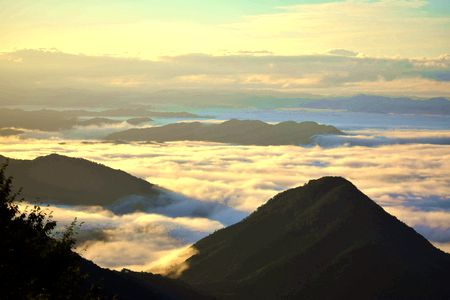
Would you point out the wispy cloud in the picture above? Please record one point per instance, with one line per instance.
(331, 74)
(400, 29)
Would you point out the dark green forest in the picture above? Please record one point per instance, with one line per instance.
(37, 262)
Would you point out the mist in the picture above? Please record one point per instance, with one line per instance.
(218, 184)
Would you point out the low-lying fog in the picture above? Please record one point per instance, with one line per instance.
(404, 171)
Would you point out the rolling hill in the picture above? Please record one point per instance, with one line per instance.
(242, 132)
(74, 181)
(129, 285)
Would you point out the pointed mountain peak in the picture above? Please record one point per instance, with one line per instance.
(318, 194)
(53, 156)
(332, 180)
(327, 183)
(325, 233)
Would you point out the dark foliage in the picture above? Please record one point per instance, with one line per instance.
(36, 262)
(129, 285)
(33, 263)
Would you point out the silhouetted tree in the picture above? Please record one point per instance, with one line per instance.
(34, 264)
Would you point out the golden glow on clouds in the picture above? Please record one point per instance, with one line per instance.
(243, 176)
(135, 241)
(399, 87)
(287, 50)
(322, 74)
(402, 178)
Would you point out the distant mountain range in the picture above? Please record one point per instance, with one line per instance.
(380, 104)
(54, 120)
(97, 121)
(102, 121)
(325, 240)
(242, 132)
(10, 131)
(74, 181)
(138, 120)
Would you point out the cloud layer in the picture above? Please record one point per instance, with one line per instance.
(138, 241)
(40, 75)
(371, 138)
(411, 181)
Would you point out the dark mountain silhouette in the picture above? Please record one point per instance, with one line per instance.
(129, 285)
(58, 179)
(143, 112)
(38, 263)
(65, 180)
(243, 132)
(10, 131)
(138, 120)
(54, 120)
(325, 240)
(47, 120)
(380, 104)
(98, 121)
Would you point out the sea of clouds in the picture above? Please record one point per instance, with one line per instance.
(219, 184)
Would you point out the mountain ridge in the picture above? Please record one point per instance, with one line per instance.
(324, 240)
(61, 179)
(130, 285)
(55, 120)
(241, 132)
(381, 104)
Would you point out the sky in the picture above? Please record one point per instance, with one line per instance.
(386, 47)
(149, 29)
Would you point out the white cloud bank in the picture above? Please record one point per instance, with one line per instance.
(137, 241)
(411, 181)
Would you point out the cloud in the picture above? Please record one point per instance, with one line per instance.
(79, 132)
(409, 180)
(443, 246)
(49, 76)
(138, 241)
(175, 263)
(439, 235)
(342, 52)
(374, 139)
(434, 225)
(422, 219)
(400, 29)
(94, 131)
(180, 206)
(243, 177)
